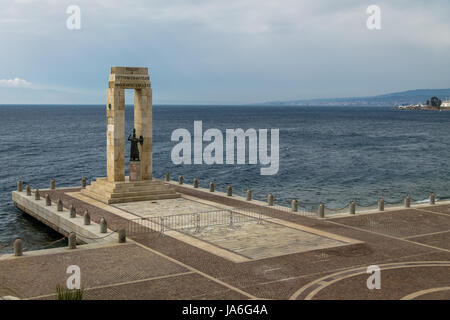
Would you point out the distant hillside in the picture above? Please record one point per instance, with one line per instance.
(390, 99)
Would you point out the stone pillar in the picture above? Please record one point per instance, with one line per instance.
(28, 190)
(211, 186)
(60, 206)
(229, 191)
(195, 183)
(180, 180)
(135, 170)
(167, 176)
(37, 195)
(115, 134)
(270, 199)
(48, 201)
(321, 211)
(52, 184)
(103, 225)
(83, 182)
(143, 126)
(122, 236)
(380, 204)
(73, 212)
(352, 207)
(249, 195)
(86, 218)
(18, 247)
(432, 198)
(407, 202)
(19, 186)
(72, 240)
(295, 205)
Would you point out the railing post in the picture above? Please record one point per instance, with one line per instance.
(122, 236)
(211, 186)
(73, 212)
(167, 176)
(352, 207)
(231, 218)
(321, 211)
(103, 226)
(180, 180)
(270, 199)
(229, 191)
(249, 195)
(52, 184)
(197, 223)
(295, 205)
(195, 183)
(28, 190)
(161, 219)
(83, 182)
(86, 218)
(259, 217)
(60, 205)
(37, 195)
(19, 185)
(432, 198)
(407, 202)
(381, 204)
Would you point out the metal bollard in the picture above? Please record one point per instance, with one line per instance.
(18, 246)
(180, 180)
(407, 202)
(19, 185)
(197, 223)
(211, 186)
(229, 191)
(321, 211)
(295, 205)
(249, 195)
(37, 195)
(48, 201)
(122, 236)
(167, 176)
(270, 199)
(28, 190)
(73, 212)
(352, 207)
(83, 182)
(72, 240)
(86, 218)
(380, 204)
(52, 184)
(231, 218)
(60, 206)
(195, 183)
(432, 198)
(103, 226)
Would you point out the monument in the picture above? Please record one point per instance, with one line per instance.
(139, 185)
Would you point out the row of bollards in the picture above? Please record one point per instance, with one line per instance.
(52, 185)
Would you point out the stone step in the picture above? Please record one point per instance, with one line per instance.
(140, 193)
(143, 198)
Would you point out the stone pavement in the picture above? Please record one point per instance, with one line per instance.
(411, 246)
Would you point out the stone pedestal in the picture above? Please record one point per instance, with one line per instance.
(135, 171)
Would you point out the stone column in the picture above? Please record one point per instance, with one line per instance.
(432, 198)
(19, 186)
(380, 204)
(229, 191)
(295, 205)
(321, 211)
(143, 126)
(352, 207)
(115, 134)
(249, 195)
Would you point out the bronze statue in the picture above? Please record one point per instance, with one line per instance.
(134, 150)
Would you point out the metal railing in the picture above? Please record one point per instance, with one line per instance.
(194, 222)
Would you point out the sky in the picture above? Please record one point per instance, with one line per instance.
(222, 51)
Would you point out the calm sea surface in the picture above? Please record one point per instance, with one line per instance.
(327, 154)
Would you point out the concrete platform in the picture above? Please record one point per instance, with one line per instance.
(288, 256)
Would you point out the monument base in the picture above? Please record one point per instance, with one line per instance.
(128, 191)
(135, 171)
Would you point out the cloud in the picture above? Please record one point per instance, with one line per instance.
(16, 82)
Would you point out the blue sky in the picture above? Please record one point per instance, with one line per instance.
(222, 52)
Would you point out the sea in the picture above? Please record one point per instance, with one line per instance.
(327, 155)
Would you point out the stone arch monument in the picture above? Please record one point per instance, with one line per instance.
(139, 186)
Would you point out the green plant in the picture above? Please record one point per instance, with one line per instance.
(64, 293)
